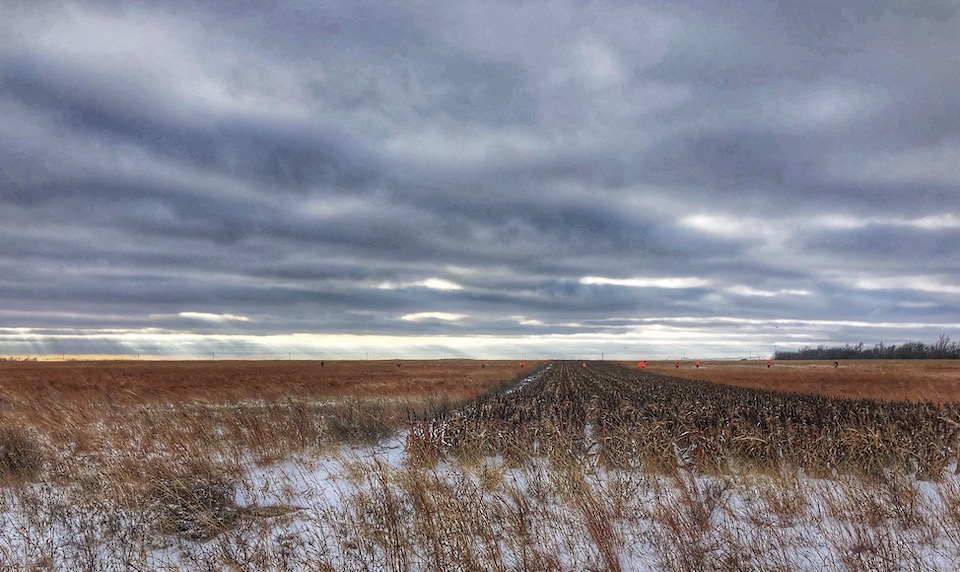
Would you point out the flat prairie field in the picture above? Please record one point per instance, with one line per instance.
(236, 380)
(228, 381)
(273, 466)
(896, 380)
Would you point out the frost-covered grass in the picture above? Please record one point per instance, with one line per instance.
(385, 485)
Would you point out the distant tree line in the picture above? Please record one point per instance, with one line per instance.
(943, 348)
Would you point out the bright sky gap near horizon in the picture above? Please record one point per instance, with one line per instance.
(482, 179)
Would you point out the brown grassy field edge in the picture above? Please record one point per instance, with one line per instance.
(899, 380)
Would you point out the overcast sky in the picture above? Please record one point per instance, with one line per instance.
(489, 179)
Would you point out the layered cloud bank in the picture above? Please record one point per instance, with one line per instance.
(476, 177)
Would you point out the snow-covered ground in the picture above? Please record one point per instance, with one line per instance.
(370, 508)
(575, 518)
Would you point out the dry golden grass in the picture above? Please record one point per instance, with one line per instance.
(233, 381)
(899, 380)
(115, 414)
(251, 466)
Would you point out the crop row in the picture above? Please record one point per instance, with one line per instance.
(628, 418)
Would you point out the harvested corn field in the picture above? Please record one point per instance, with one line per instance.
(627, 417)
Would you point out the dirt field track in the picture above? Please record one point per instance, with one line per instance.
(911, 380)
(226, 381)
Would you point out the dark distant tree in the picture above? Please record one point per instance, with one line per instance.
(943, 348)
(940, 349)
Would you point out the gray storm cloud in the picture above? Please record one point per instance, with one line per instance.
(647, 177)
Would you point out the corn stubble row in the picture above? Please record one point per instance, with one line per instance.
(624, 418)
